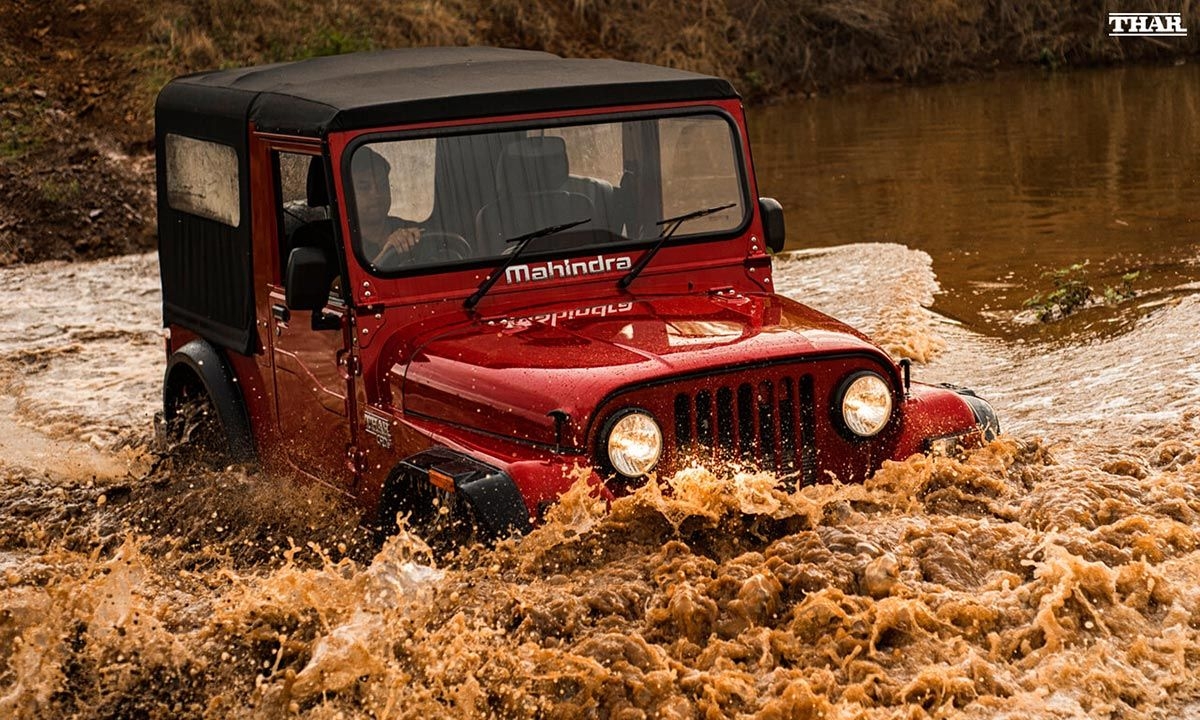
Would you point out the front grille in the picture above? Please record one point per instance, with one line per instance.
(766, 423)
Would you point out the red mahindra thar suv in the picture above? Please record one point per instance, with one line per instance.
(463, 277)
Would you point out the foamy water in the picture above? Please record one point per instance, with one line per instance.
(1100, 391)
(81, 351)
(1051, 574)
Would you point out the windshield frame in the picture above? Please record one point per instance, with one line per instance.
(476, 126)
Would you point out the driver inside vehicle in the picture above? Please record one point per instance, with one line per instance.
(386, 241)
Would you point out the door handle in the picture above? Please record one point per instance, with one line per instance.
(281, 313)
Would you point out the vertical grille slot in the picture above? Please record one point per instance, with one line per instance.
(725, 420)
(704, 419)
(766, 423)
(787, 425)
(745, 418)
(808, 423)
(683, 422)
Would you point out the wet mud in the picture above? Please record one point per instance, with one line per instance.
(1052, 573)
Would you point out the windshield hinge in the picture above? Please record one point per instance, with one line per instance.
(365, 326)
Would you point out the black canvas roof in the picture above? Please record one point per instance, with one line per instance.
(312, 97)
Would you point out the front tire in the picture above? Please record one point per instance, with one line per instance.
(444, 520)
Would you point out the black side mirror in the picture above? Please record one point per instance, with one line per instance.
(772, 219)
(306, 286)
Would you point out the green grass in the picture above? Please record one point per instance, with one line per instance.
(20, 135)
(330, 41)
(1071, 292)
(17, 138)
(60, 192)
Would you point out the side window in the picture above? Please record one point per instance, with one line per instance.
(293, 192)
(202, 179)
(303, 211)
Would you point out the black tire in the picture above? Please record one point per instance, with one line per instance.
(204, 417)
(193, 431)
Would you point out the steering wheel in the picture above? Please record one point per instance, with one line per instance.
(438, 246)
(432, 247)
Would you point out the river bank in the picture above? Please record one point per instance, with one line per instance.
(78, 79)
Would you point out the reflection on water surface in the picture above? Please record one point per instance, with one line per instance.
(1001, 181)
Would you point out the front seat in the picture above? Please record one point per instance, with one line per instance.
(530, 178)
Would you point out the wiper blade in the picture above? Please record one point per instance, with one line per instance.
(524, 240)
(673, 224)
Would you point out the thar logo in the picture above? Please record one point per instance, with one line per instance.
(1146, 25)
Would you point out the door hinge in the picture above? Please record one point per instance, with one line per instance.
(350, 363)
(356, 460)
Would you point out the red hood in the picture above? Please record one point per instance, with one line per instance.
(504, 375)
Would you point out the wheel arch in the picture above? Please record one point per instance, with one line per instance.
(198, 364)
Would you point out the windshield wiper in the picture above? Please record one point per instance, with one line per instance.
(664, 236)
(524, 240)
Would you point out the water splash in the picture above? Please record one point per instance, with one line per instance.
(1049, 578)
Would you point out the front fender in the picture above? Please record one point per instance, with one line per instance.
(945, 412)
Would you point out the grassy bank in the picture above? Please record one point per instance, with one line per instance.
(78, 79)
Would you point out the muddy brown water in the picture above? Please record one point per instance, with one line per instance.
(1055, 573)
(1001, 182)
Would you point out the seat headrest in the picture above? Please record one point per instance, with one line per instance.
(317, 189)
(534, 164)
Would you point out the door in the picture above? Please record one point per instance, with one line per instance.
(314, 390)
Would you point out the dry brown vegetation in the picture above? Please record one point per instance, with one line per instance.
(78, 77)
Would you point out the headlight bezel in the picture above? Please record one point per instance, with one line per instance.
(606, 432)
(838, 406)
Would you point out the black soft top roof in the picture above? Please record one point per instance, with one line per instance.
(313, 97)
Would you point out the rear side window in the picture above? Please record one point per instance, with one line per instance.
(202, 179)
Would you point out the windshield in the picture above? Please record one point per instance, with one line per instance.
(433, 201)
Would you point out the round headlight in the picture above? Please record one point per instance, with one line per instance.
(634, 444)
(866, 404)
